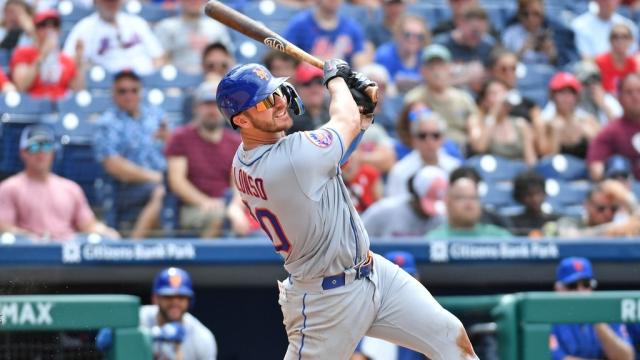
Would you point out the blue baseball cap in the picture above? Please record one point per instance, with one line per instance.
(403, 259)
(34, 134)
(572, 269)
(617, 165)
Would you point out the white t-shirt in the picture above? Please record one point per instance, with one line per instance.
(409, 165)
(592, 33)
(129, 45)
(198, 344)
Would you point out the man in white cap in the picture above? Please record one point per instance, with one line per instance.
(413, 214)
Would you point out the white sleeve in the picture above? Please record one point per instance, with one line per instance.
(73, 37)
(207, 347)
(149, 40)
(315, 157)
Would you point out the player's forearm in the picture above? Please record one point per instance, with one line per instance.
(345, 117)
(613, 346)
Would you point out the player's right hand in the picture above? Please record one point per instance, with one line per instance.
(364, 92)
(170, 332)
(336, 68)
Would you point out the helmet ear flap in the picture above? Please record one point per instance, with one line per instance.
(293, 99)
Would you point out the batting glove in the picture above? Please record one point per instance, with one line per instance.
(334, 68)
(170, 332)
(104, 339)
(364, 92)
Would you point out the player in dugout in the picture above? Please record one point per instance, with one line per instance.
(337, 290)
(176, 334)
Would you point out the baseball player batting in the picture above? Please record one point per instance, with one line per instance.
(337, 291)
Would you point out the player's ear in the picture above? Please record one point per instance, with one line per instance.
(241, 120)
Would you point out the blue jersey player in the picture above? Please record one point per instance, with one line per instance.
(337, 290)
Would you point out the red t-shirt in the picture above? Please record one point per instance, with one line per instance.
(28, 55)
(3, 78)
(362, 187)
(619, 137)
(209, 164)
(610, 73)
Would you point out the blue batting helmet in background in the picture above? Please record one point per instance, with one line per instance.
(173, 281)
(243, 87)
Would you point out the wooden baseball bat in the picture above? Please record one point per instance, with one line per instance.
(257, 31)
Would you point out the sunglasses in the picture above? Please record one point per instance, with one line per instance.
(122, 91)
(619, 36)
(507, 68)
(48, 23)
(584, 283)
(425, 135)
(270, 101)
(314, 81)
(531, 13)
(408, 35)
(40, 147)
(214, 66)
(603, 208)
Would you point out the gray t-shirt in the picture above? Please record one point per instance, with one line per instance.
(294, 190)
(198, 344)
(394, 216)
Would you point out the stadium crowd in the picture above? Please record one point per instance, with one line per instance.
(496, 118)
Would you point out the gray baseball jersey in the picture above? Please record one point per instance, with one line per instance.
(293, 189)
(198, 344)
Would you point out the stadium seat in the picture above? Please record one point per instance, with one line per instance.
(566, 193)
(151, 12)
(271, 13)
(533, 81)
(70, 13)
(85, 105)
(247, 49)
(496, 195)
(99, 80)
(495, 168)
(168, 77)
(431, 12)
(172, 103)
(561, 167)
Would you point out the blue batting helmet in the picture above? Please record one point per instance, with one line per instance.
(243, 87)
(173, 281)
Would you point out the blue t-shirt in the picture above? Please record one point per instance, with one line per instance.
(387, 56)
(580, 340)
(342, 42)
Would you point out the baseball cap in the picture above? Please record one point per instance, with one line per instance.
(430, 185)
(586, 70)
(206, 92)
(435, 52)
(45, 15)
(35, 134)
(617, 165)
(404, 259)
(306, 72)
(126, 73)
(563, 80)
(572, 269)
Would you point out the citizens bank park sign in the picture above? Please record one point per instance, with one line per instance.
(446, 251)
(74, 253)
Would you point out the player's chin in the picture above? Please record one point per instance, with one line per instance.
(283, 121)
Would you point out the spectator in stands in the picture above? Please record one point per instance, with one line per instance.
(389, 101)
(488, 216)
(16, 27)
(538, 39)
(42, 70)
(427, 129)
(377, 149)
(529, 190)
(380, 32)
(176, 334)
(371, 348)
(401, 55)
(128, 143)
(617, 63)
(585, 341)
(116, 40)
(571, 129)
(41, 205)
(603, 204)
(216, 61)
(453, 105)
(323, 32)
(280, 64)
(5, 84)
(494, 131)
(412, 214)
(464, 212)
(199, 182)
(457, 9)
(308, 79)
(619, 136)
(363, 181)
(592, 29)
(618, 168)
(184, 36)
(502, 65)
(593, 99)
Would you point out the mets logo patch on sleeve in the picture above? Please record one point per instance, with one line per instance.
(321, 138)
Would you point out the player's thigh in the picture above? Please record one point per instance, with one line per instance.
(409, 316)
(327, 324)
